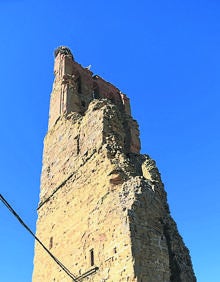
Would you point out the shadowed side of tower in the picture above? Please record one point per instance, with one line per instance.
(102, 203)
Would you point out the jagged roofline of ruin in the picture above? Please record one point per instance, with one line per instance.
(64, 50)
(65, 69)
(96, 76)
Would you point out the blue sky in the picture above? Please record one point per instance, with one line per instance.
(165, 56)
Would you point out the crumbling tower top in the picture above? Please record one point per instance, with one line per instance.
(63, 50)
(75, 87)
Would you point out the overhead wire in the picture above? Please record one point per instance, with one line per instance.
(61, 265)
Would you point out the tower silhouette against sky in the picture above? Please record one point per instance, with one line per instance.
(103, 209)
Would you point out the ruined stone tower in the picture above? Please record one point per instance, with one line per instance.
(103, 209)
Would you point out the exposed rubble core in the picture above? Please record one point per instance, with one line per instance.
(102, 203)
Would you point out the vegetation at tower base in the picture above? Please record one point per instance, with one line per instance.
(102, 203)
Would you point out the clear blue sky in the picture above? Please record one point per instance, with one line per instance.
(165, 55)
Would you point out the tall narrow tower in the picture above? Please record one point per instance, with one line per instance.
(103, 209)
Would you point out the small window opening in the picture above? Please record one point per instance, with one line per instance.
(115, 250)
(78, 83)
(77, 144)
(51, 243)
(92, 257)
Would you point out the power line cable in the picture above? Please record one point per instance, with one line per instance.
(61, 265)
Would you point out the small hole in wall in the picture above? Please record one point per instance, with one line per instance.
(77, 146)
(92, 262)
(78, 85)
(115, 250)
(51, 243)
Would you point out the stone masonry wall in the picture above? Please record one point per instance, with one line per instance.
(80, 208)
(102, 203)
